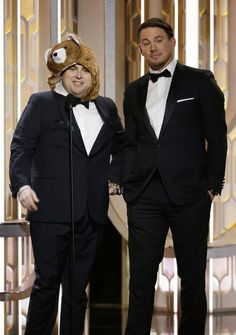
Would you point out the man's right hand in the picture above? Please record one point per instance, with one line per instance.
(28, 199)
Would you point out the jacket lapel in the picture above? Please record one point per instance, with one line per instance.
(64, 113)
(102, 135)
(142, 97)
(172, 96)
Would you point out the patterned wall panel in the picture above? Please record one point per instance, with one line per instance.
(133, 20)
(204, 34)
(181, 30)
(10, 96)
(69, 17)
(221, 43)
(21, 80)
(168, 11)
(29, 37)
(224, 215)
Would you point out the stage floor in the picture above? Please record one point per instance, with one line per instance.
(107, 321)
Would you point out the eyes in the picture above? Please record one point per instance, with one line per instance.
(145, 42)
(74, 69)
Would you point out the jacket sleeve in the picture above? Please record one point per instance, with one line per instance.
(213, 114)
(23, 146)
(130, 146)
(117, 147)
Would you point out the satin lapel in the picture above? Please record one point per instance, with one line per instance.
(106, 127)
(142, 97)
(173, 95)
(77, 138)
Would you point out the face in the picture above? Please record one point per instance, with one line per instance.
(77, 80)
(156, 47)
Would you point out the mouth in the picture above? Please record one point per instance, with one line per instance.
(77, 82)
(155, 54)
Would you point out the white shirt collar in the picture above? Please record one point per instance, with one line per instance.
(60, 89)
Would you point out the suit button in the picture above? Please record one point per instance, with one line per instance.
(158, 145)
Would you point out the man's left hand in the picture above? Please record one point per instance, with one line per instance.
(114, 188)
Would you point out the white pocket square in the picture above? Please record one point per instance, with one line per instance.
(186, 99)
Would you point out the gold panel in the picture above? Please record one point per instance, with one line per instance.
(133, 20)
(10, 75)
(69, 17)
(29, 37)
(18, 258)
(168, 12)
(204, 34)
(221, 44)
(182, 29)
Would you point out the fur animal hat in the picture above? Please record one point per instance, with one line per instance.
(70, 52)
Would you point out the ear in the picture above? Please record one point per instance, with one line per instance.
(47, 54)
(140, 49)
(173, 42)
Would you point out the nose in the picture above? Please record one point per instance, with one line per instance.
(153, 46)
(78, 73)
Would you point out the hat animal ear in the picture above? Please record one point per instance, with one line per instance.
(47, 54)
(74, 38)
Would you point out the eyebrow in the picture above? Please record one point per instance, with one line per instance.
(157, 36)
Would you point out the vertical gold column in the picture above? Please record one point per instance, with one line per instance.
(154, 8)
(204, 34)
(133, 20)
(90, 24)
(181, 31)
(69, 17)
(10, 92)
(221, 44)
(231, 110)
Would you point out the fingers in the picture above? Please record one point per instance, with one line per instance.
(29, 200)
(114, 188)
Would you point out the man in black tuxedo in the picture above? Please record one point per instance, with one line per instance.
(174, 164)
(43, 154)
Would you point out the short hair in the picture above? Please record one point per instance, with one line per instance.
(156, 22)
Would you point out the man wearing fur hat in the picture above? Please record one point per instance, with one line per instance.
(68, 131)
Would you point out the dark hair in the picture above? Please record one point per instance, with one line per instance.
(156, 22)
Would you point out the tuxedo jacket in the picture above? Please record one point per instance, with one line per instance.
(190, 152)
(40, 157)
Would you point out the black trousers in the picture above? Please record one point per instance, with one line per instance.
(52, 251)
(149, 219)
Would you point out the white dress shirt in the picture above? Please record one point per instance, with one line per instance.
(88, 119)
(156, 97)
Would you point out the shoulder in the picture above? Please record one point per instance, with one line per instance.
(106, 102)
(204, 79)
(107, 108)
(46, 96)
(195, 73)
(133, 85)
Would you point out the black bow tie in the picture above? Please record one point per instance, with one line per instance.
(74, 101)
(155, 76)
